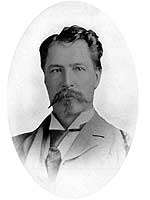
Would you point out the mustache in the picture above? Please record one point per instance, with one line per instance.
(66, 93)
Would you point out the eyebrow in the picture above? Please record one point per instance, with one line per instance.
(55, 65)
(77, 64)
(71, 65)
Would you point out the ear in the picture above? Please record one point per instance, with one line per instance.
(97, 77)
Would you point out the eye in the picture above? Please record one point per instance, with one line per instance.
(55, 70)
(79, 68)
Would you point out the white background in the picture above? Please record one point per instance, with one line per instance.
(132, 19)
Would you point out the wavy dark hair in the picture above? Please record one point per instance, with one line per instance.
(72, 34)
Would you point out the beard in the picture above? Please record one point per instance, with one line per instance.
(64, 96)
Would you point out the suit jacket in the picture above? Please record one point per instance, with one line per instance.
(94, 157)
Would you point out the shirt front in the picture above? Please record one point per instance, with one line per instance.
(69, 138)
(39, 152)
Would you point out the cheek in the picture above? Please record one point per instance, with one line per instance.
(51, 86)
(87, 86)
(51, 82)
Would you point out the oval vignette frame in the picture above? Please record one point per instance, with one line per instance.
(115, 98)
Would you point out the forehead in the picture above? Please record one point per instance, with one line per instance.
(67, 53)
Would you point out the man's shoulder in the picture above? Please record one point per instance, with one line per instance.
(113, 135)
(19, 141)
(20, 138)
(105, 126)
(23, 142)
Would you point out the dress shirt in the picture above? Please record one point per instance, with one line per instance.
(39, 152)
(67, 141)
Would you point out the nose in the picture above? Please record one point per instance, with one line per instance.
(68, 78)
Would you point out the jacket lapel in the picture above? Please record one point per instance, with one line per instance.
(88, 138)
(92, 135)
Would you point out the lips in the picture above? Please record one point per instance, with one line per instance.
(67, 96)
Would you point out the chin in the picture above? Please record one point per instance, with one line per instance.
(73, 107)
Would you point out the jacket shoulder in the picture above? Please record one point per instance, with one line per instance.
(24, 141)
(114, 136)
(19, 141)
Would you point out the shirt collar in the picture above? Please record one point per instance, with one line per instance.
(84, 117)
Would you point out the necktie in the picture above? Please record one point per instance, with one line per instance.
(53, 159)
(52, 162)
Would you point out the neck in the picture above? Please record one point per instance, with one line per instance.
(65, 120)
(67, 114)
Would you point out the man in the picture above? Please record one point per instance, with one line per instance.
(73, 141)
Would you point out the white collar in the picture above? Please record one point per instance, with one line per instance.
(84, 117)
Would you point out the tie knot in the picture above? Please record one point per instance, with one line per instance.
(53, 154)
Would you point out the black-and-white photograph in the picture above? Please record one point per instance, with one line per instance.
(72, 99)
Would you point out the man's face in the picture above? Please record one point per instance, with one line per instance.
(69, 70)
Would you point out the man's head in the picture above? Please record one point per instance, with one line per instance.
(72, 68)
